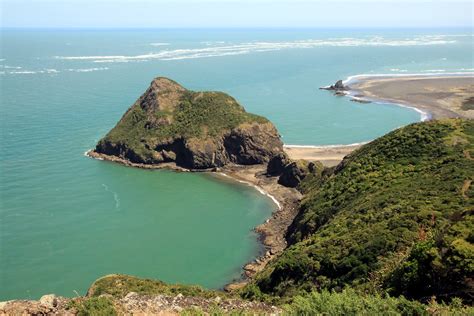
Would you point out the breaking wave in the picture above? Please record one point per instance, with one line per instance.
(256, 47)
(88, 69)
(21, 71)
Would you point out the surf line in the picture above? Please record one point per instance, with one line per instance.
(259, 189)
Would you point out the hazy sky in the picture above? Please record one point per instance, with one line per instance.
(236, 13)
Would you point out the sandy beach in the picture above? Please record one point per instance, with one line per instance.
(438, 96)
(328, 155)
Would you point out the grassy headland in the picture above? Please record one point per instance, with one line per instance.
(395, 217)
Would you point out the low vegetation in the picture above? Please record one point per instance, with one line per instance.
(119, 286)
(94, 306)
(396, 217)
(468, 104)
(349, 302)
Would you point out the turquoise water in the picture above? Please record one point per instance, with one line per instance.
(66, 220)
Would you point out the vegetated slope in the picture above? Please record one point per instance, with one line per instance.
(169, 123)
(396, 216)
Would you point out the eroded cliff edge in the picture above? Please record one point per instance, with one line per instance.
(194, 130)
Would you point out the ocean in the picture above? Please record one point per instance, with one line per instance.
(66, 219)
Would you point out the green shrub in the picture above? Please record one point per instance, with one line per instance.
(349, 302)
(94, 306)
(120, 285)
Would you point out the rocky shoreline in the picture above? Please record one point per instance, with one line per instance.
(271, 233)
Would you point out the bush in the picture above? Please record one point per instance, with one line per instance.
(384, 199)
(349, 302)
(94, 306)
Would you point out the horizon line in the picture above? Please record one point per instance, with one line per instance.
(227, 27)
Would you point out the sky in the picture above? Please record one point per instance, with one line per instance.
(235, 13)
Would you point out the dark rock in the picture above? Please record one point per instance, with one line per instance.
(297, 171)
(277, 164)
(338, 86)
(253, 143)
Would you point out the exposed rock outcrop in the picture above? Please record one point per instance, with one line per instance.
(290, 172)
(277, 164)
(195, 130)
(296, 171)
(338, 86)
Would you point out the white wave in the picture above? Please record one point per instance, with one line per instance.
(86, 153)
(256, 47)
(159, 44)
(115, 61)
(355, 78)
(2, 59)
(88, 69)
(32, 72)
(424, 115)
(398, 70)
(51, 71)
(11, 67)
(211, 43)
(259, 189)
(23, 72)
(116, 197)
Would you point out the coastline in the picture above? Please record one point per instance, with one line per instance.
(433, 95)
(271, 232)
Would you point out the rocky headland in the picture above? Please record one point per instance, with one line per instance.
(169, 124)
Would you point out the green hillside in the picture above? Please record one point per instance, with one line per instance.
(396, 217)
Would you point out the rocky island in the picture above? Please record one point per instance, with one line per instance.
(169, 125)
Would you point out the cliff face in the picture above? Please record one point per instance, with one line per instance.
(196, 130)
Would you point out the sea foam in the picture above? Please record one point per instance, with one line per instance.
(220, 50)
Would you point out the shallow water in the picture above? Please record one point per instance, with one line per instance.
(66, 219)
